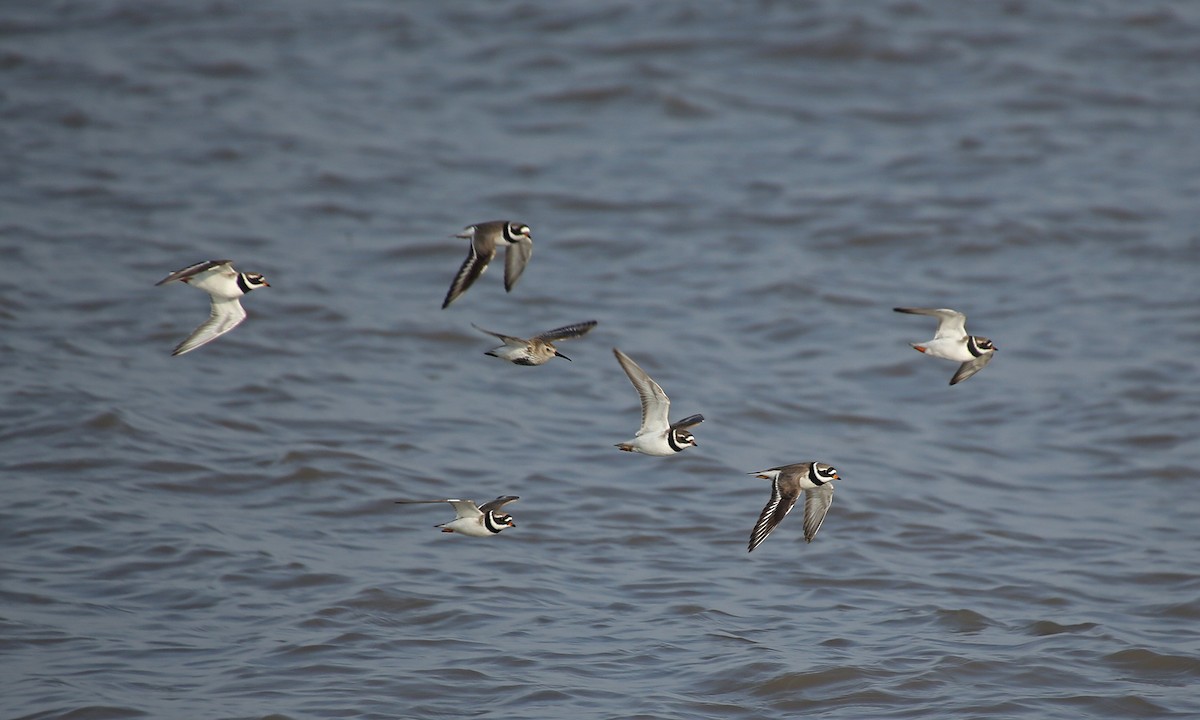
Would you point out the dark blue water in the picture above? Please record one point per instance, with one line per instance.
(739, 194)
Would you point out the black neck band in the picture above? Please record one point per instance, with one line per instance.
(815, 476)
(671, 441)
(487, 523)
(242, 285)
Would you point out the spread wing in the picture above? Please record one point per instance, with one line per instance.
(778, 506)
(515, 259)
(971, 367)
(816, 504)
(688, 421)
(566, 332)
(470, 271)
(225, 316)
(497, 503)
(656, 406)
(508, 339)
(951, 323)
(193, 270)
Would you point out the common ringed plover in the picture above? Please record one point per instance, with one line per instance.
(814, 478)
(474, 520)
(225, 286)
(951, 342)
(485, 237)
(657, 436)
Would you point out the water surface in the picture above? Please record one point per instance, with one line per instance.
(739, 195)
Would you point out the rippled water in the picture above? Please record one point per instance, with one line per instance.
(739, 194)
